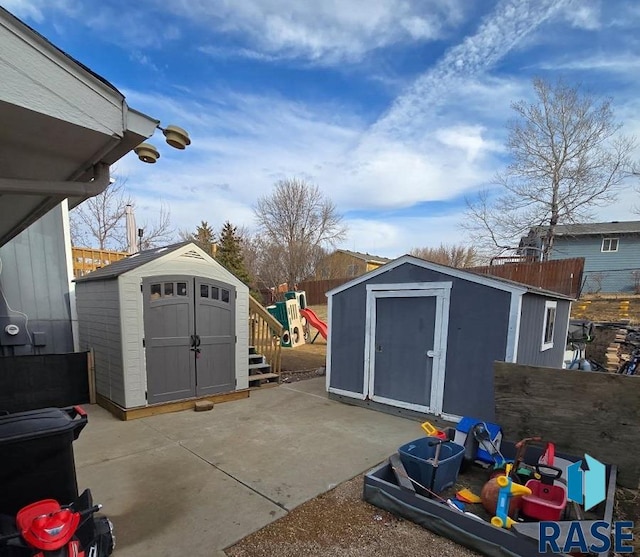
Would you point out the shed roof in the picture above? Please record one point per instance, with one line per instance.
(131, 262)
(494, 282)
(595, 228)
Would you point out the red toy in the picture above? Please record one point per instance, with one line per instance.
(547, 500)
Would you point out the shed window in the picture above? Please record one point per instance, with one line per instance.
(168, 289)
(182, 289)
(225, 295)
(549, 324)
(204, 290)
(609, 244)
(215, 293)
(156, 291)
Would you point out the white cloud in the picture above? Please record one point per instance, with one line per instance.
(396, 236)
(618, 62)
(467, 139)
(584, 14)
(439, 140)
(499, 32)
(34, 9)
(325, 32)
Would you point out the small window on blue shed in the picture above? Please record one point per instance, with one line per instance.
(609, 244)
(225, 295)
(549, 324)
(182, 288)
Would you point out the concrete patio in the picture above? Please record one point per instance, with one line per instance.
(195, 483)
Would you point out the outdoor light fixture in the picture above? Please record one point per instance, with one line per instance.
(175, 136)
(147, 153)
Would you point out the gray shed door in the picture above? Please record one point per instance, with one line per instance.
(216, 330)
(408, 348)
(168, 326)
(189, 337)
(404, 335)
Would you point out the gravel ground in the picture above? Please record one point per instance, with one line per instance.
(340, 524)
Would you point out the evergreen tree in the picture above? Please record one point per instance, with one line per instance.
(204, 237)
(229, 253)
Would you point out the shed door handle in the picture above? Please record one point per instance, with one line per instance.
(432, 353)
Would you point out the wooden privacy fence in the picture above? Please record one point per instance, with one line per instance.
(265, 332)
(317, 289)
(86, 260)
(580, 411)
(561, 275)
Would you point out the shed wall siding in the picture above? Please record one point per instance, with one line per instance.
(476, 312)
(98, 305)
(531, 325)
(133, 320)
(34, 281)
(603, 271)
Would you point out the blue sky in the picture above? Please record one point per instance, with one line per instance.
(395, 108)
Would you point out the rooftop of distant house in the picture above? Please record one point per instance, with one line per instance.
(367, 257)
(595, 228)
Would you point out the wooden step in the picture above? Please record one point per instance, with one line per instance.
(259, 366)
(263, 377)
(256, 358)
(252, 350)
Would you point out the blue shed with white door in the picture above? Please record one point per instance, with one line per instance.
(418, 337)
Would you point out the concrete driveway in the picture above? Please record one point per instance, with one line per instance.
(194, 483)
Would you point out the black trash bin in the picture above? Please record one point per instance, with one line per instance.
(36, 456)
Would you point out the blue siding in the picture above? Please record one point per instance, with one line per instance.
(603, 271)
(34, 283)
(477, 336)
(530, 351)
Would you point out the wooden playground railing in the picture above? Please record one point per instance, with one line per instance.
(265, 332)
(86, 260)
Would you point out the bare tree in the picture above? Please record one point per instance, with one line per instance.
(566, 159)
(158, 232)
(100, 221)
(297, 222)
(452, 255)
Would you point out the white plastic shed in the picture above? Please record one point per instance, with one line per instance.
(164, 325)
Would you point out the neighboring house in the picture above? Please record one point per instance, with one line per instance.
(422, 337)
(611, 252)
(62, 127)
(347, 264)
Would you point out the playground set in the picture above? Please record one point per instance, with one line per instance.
(297, 319)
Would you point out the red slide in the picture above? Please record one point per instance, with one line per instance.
(315, 322)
